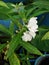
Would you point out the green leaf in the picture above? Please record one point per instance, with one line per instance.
(41, 5)
(14, 43)
(12, 46)
(4, 10)
(30, 11)
(3, 16)
(42, 45)
(4, 29)
(3, 4)
(46, 36)
(30, 48)
(2, 46)
(13, 59)
(15, 21)
(36, 13)
(11, 28)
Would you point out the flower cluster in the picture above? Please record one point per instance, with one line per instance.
(32, 29)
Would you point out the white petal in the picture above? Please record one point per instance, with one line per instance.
(33, 20)
(33, 28)
(32, 23)
(33, 34)
(26, 37)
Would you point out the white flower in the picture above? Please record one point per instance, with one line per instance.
(33, 28)
(26, 37)
(32, 24)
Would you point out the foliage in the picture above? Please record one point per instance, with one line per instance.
(19, 14)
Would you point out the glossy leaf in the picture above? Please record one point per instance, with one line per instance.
(3, 4)
(30, 48)
(13, 59)
(46, 36)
